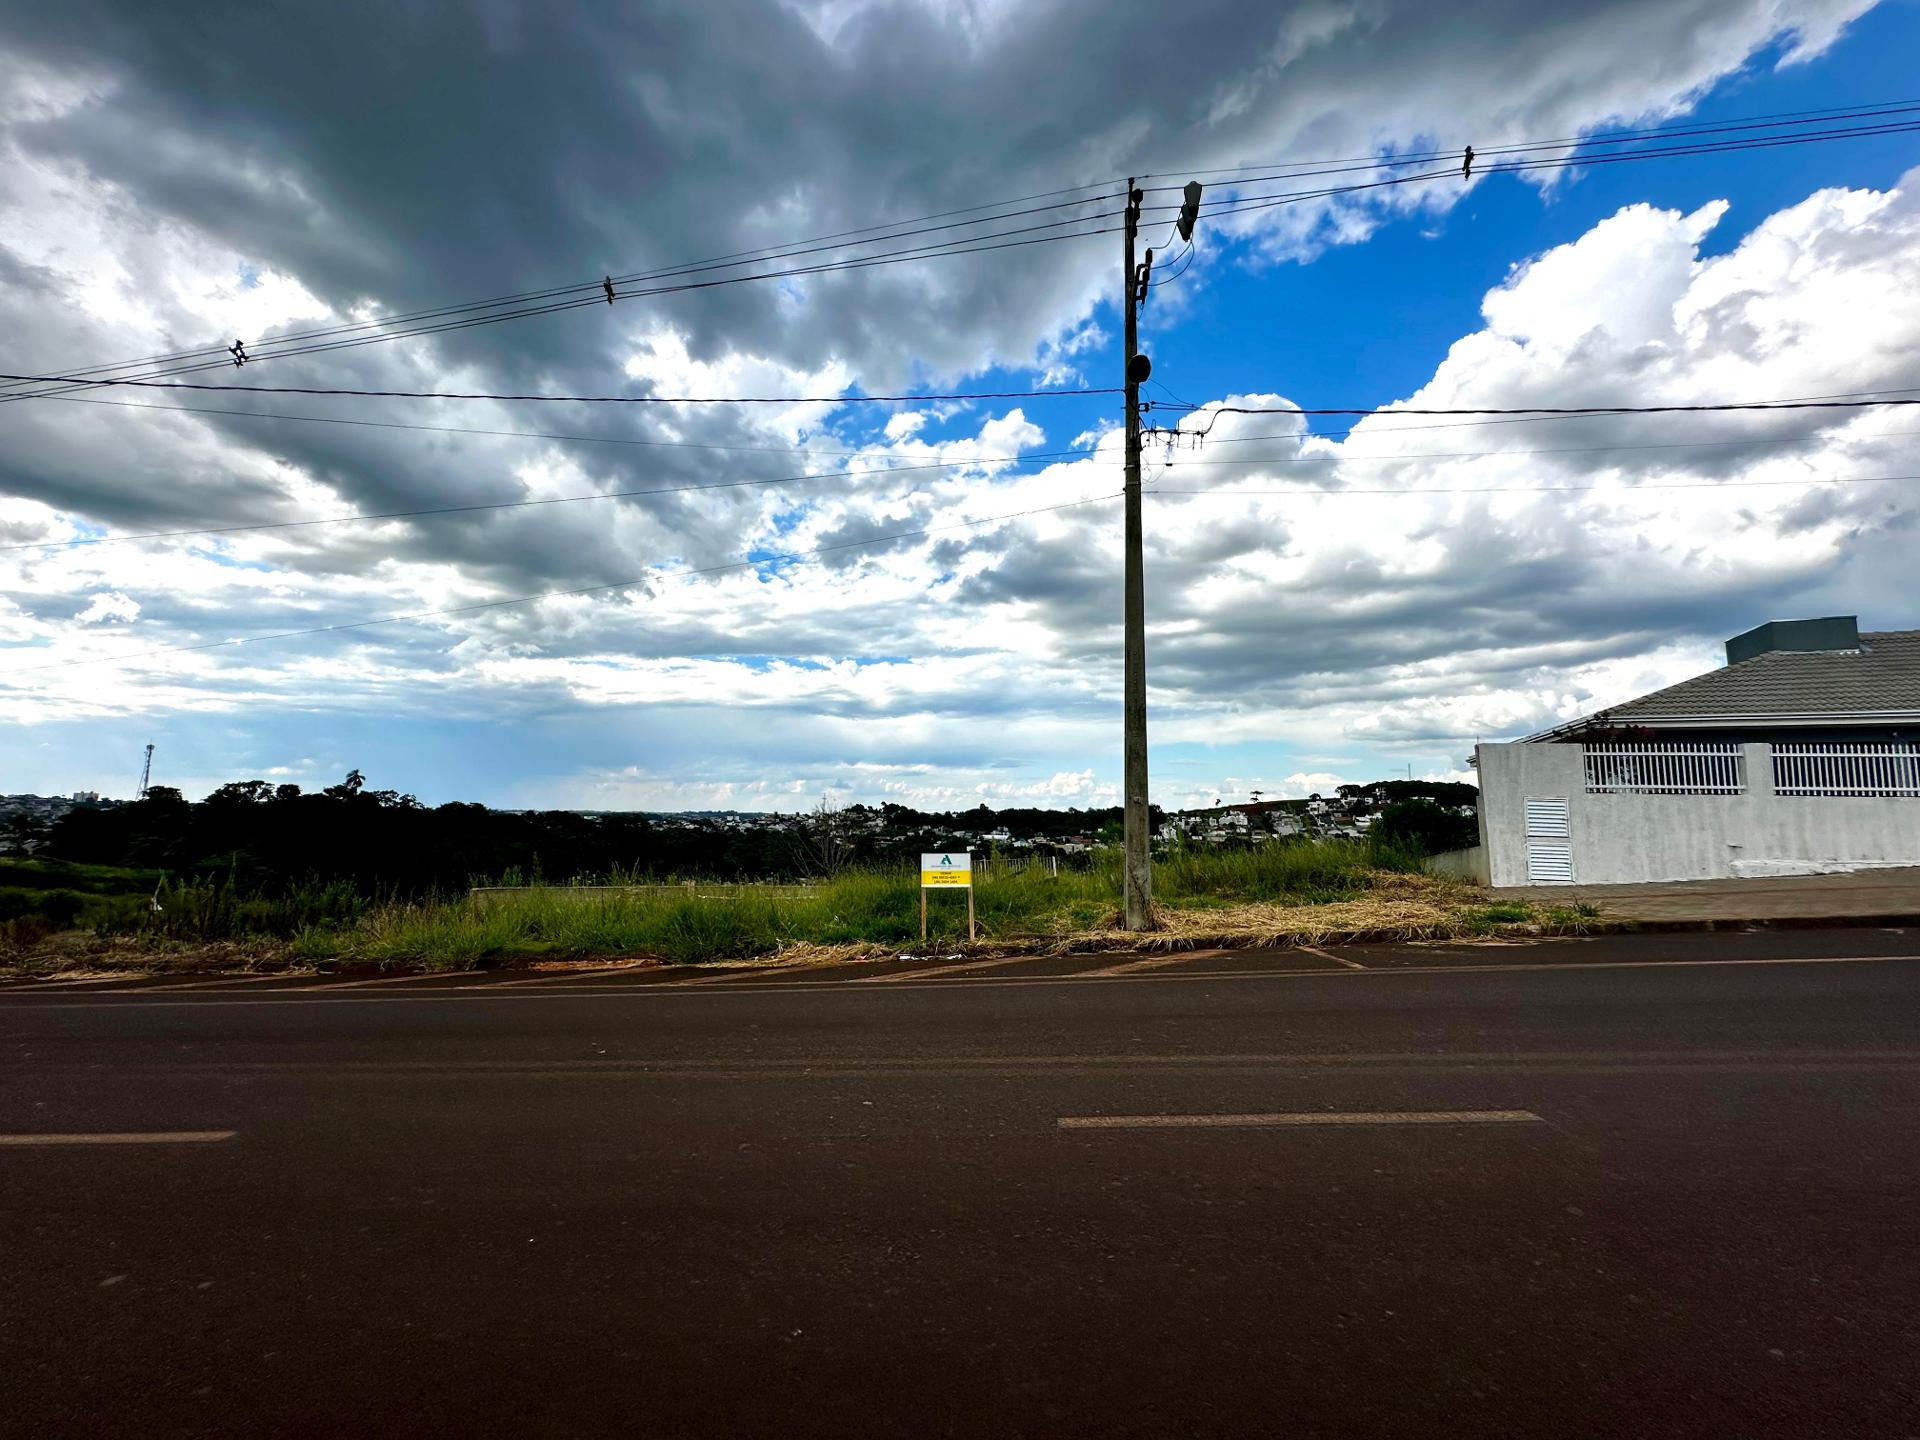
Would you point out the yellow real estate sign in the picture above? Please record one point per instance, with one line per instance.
(950, 869)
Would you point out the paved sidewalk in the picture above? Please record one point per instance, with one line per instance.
(1863, 895)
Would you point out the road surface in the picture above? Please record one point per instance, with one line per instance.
(1564, 1189)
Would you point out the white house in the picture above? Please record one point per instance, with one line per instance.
(1801, 755)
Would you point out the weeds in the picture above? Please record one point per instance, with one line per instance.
(863, 906)
(1274, 889)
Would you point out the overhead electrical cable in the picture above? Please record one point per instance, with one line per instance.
(1279, 170)
(265, 349)
(1414, 457)
(1314, 492)
(1705, 407)
(1231, 205)
(588, 292)
(580, 399)
(1239, 203)
(1154, 436)
(860, 263)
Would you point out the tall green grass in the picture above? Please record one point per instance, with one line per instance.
(197, 910)
(865, 905)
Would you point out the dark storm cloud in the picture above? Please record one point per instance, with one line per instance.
(424, 153)
(404, 156)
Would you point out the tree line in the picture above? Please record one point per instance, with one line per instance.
(263, 837)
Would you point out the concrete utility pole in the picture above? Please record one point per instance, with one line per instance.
(1138, 909)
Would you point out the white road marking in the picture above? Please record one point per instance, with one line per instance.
(280, 975)
(386, 980)
(1303, 1117)
(1152, 962)
(484, 992)
(124, 1137)
(55, 987)
(953, 969)
(559, 975)
(1329, 955)
(745, 972)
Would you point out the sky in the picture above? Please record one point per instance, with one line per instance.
(1327, 600)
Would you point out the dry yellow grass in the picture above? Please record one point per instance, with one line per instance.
(1244, 926)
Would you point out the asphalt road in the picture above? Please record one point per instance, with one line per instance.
(1578, 1190)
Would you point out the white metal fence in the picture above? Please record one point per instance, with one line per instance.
(1889, 769)
(1681, 767)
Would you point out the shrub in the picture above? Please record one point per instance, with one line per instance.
(1424, 826)
(21, 934)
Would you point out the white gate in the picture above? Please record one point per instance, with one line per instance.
(1549, 842)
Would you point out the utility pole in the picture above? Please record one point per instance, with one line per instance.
(1138, 908)
(1137, 912)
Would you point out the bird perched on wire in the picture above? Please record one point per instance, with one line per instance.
(1466, 165)
(607, 285)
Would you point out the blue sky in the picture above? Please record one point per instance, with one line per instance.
(1294, 645)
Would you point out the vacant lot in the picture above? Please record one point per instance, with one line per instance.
(1275, 894)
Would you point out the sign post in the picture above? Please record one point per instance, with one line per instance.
(939, 871)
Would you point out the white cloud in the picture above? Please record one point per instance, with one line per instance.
(1346, 624)
(109, 605)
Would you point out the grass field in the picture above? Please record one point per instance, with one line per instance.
(37, 896)
(1276, 892)
(1260, 896)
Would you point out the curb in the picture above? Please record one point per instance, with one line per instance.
(1598, 925)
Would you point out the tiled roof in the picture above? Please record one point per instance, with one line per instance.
(1882, 676)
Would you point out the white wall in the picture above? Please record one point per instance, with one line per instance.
(1625, 839)
(1468, 864)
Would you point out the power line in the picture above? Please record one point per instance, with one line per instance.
(1315, 493)
(1698, 143)
(471, 322)
(882, 232)
(1558, 411)
(1238, 203)
(1185, 263)
(593, 291)
(1232, 205)
(1348, 164)
(1713, 407)
(565, 399)
(1155, 435)
(1414, 456)
(586, 293)
(968, 245)
(562, 594)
